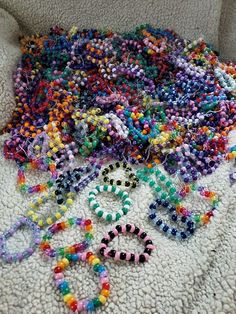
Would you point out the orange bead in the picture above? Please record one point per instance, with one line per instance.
(105, 293)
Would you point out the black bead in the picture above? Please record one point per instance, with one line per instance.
(174, 217)
(105, 241)
(136, 230)
(122, 256)
(148, 242)
(111, 181)
(165, 228)
(111, 167)
(191, 230)
(105, 179)
(60, 201)
(183, 219)
(133, 185)
(173, 232)
(118, 228)
(128, 227)
(132, 257)
(165, 204)
(142, 258)
(118, 182)
(117, 164)
(127, 183)
(112, 253)
(111, 234)
(102, 251)
(159, 222)
(183, 235)
(124, 164)
(143, 235)
(57, 192)
(190, 224)
(148, 251)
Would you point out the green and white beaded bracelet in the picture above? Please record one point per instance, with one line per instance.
(101, 213)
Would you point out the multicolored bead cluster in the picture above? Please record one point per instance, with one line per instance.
(141, 98)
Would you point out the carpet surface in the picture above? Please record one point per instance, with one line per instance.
(195, 276)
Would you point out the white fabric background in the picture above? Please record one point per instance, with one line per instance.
(196, 276)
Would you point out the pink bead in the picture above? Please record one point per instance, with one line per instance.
(117, 256)
(128, 255)
(132, 228)
(140, 232)
(106, 251)
(150, 246)
(80, 306)
(102, 245)
(146, 256)
(146, 238)
(104, 280)
(123, 229)
(114, 230)
(83, 256)
(58, 276)
(136, 258)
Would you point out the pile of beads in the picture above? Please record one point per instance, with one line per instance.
(127, 256)
(63, 285)
(19, 256)
(128, 171)
(101, 213)
(142, 96)
(84, 224)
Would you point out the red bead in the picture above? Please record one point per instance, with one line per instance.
(89, 254)
(106, 286)
(74, 306)
(57, 269)
(87, 222)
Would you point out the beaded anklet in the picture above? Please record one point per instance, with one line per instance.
(63, 285)
(160, 224)
(131, 257)
(101, 213)
(84, 224)
(49, 219)
(117, 165)
(19, 256)
(33, 165)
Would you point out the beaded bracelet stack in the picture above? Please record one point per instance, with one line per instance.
(101, 213)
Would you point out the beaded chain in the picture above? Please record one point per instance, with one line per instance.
(127, 256)
(101, 213)
(84, 224)
(63, 285)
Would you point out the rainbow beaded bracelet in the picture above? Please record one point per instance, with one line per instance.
(84, 224)
(101, 213)
(19, 256)
(126, 256)
(63, 285)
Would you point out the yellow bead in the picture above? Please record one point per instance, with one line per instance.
(62, 146)
(55, 149)
(106, 121)
(51, 144)
(84, 115)
(49, 221)
(37, 147)
(30, 213)
(39, 201)
(65, 261)
(69, 201)
(58, 215)
(67, 297)
(49, 154)
(95, 261)
(34, 217)
(40, 223)
(102, 299)
(64, 208)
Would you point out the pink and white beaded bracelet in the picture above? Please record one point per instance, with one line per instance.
(127, 256)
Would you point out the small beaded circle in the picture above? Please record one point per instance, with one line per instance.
(85, 224)
(127, 256)
(161, 225)
(112, 167)
(33, 165)
(101, 213)
(63, 285)
(19, 256)
(47, 220)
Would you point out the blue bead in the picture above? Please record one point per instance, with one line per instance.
(152, 216)
(165, 228)
(174, 217)
(183, 219)
(101, 268)
(74, 257)
(173, 232)
(159, 222)
(90, 306)
(183, 235)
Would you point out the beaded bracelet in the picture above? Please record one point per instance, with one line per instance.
(131, 257)
(19, 256)
(101, 213)
(160, 224)
(32, 165)
(63, 285)
(117, 165)
(84, 224)
(47, 220)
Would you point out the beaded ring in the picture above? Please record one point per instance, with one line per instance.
(130, 257)
(85, 224)
(160, 224)
(32, 165)
(117, 165)
(63, 285)
(101, 213)
(49, 219)
(19, 256)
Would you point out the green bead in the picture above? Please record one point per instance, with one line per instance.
(164, 195)
(95, 206)
(121, 194)
(65, 291)
(71, 221)
(108, 217)
(168, 183)
(158, 172)
(96, 267)
(49, 184)
(118, 216)
(197, 218)
(127, 203)
(68, 256)
(105, 188)
(151, 183)
(91, 199)
(100, 213)
(172, 190)
(162, 178)
(96, 303)
(113, 189)
(151, 170)
(61, 251)
(158, 189)
(125, 211)
(88, 236)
